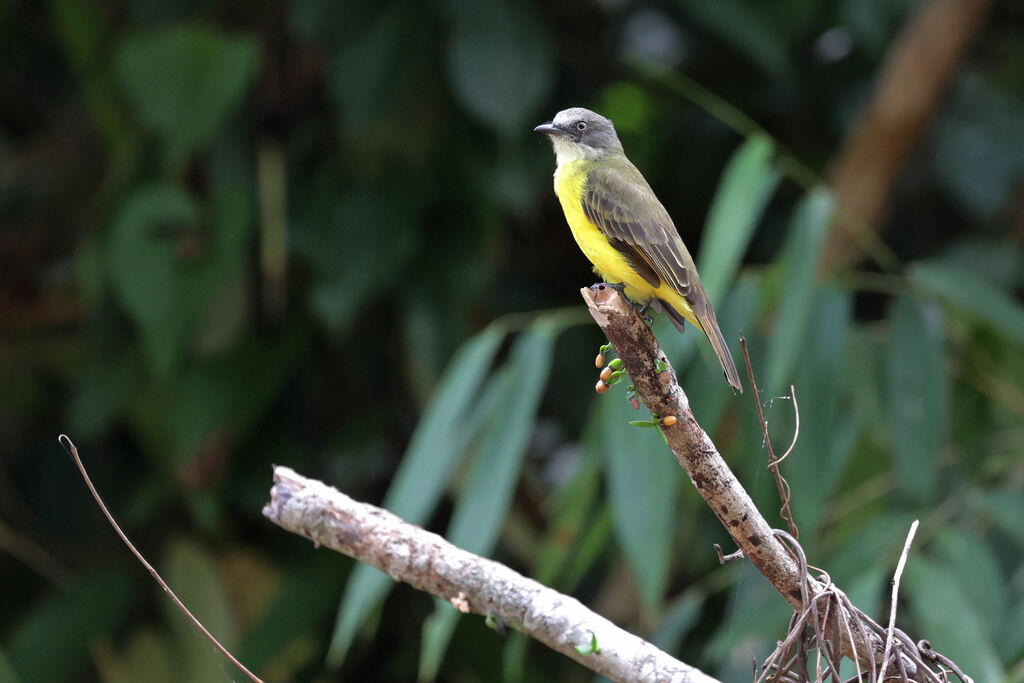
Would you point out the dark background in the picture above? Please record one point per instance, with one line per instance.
(241, 233)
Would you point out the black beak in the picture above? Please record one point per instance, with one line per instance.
(549, 128)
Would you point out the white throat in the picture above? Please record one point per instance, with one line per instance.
(567, 152)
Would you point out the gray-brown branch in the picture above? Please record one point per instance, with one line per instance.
(698, 456)
(469, 582)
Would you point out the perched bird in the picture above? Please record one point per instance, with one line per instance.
(624, 230)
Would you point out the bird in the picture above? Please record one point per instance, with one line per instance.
(624, 230)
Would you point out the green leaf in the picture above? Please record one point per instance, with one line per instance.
(357, 247)
(971, 297)
(865, 589)
(590, 648)
(7, 672)
(759, 614)
(513, 663)
(743, 192)
(437, 633)
(500, 61)
(597, 536)
(298, 600)
(435, 449)
(482, 508)
(193, 575)
(83, 29)
(146, 270)
(166, 292)
(1005, 509)
(103, 389)
(184, 80)
(681, 616)
(54, 639)
(573, 507)
(483, 505)
(880, 533)
(977, 154)
(643, 482)
(919, 394)
(966, 555)
(1010, 635)
(147, 657)
(949, 619)
(229, 393)
(827, 430)
(802, 253)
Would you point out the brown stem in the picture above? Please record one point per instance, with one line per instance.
(698, 456)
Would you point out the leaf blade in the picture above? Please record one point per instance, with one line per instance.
(637, 460)
(804, 244)
(918, 394)
(746, 185)
(433, 452)
(481, 510)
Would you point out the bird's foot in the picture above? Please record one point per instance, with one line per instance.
(620, 287)
(642, 310)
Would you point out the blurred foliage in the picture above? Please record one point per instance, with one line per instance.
(322, 234)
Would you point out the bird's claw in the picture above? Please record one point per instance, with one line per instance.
(642, 311)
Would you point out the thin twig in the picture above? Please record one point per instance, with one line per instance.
(892, 607)
(69, 446)
(796, 435)
(723, 558)
(773, 463)
(925, 648)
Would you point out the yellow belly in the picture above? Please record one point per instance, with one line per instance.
(609, 263)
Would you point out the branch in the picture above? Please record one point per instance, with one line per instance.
(640, 353)
(69, 446)
(471, 583)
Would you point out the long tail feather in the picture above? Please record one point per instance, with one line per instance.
(709, 326)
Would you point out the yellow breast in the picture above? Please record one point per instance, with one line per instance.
(570, 184)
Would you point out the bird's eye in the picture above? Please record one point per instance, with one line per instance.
(581, 126)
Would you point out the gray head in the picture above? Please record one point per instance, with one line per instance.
(579, 133)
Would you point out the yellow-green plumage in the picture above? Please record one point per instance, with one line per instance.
(624, 230)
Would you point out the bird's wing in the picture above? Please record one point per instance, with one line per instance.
(624, 208)
(622, 205)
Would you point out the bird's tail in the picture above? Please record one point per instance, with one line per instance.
(709, 326)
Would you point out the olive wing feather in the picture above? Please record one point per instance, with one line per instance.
(624, 208)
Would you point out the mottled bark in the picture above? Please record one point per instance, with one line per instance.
(469, 582)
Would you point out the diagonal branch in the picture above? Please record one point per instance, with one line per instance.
(642, 356)
(639, 350)
(471, 583)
